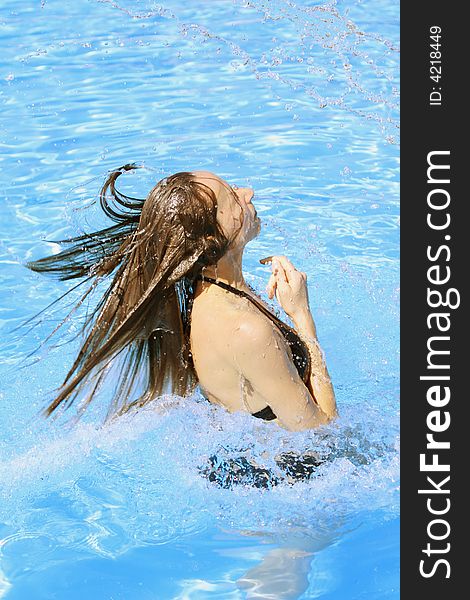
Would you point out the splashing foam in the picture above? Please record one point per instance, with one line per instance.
(138, 480)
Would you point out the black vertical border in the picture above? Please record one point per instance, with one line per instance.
(424, 129)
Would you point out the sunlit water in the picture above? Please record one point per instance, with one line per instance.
(298, 100)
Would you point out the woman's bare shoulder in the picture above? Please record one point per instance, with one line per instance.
(225, 319)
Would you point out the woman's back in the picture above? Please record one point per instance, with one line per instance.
(216, 318)
(220, 315)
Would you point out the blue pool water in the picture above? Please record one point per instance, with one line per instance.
(298, 99)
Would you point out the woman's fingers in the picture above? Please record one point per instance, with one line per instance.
(286, 265)
(279, 270)
(271, 287)
(276, 281)
(288, 285)
(284, 276)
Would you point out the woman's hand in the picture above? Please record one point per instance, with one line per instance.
(289, 286)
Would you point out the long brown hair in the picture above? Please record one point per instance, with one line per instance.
(152, 253)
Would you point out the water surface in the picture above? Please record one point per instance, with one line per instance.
(298, 100)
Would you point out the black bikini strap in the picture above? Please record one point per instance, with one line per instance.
(241, 293)
(224, 285)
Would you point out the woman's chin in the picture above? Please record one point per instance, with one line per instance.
(253, 231)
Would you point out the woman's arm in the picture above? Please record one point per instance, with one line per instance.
(290, 288)
(262, 357)
(320, 385)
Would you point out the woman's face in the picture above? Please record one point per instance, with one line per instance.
(234, 208)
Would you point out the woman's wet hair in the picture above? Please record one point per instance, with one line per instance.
(150, 256)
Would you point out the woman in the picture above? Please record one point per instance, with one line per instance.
(178, 312)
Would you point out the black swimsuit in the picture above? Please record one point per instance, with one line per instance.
(299, 350)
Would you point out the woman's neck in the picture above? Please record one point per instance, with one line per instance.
(228, 269)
